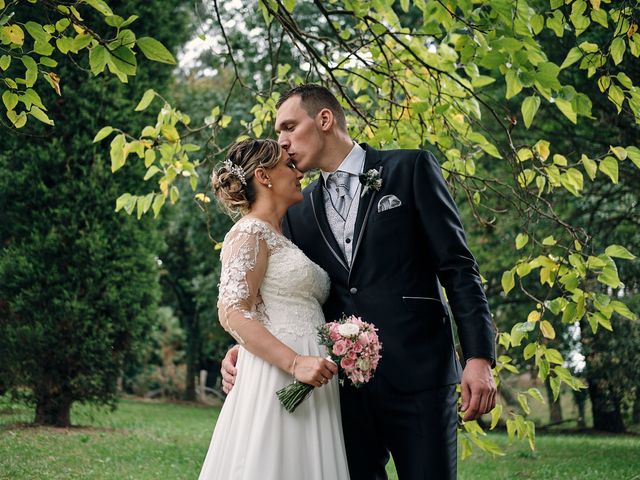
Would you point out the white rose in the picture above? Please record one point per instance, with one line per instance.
(348, 329)
(363, 364)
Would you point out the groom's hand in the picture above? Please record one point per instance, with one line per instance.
(228, 368)
(478, 388)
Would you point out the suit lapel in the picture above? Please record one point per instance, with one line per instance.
(372, 160)
(320, 216)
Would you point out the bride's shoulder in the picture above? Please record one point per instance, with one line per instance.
(252, 227)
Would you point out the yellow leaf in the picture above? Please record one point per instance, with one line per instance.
(14, 33)
(170, 133)
(542, 149)
(54, 80)
(547, 329)
(534, 316)
(595, 4)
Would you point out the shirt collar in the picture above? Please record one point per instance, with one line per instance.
(353, 163)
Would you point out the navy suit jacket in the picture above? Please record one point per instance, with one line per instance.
(399, 258)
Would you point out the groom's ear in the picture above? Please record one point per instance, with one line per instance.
(325, 119)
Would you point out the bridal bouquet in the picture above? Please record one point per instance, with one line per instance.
(353, 345)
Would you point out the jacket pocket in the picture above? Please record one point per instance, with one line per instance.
(427, 305)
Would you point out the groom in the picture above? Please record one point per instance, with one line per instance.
(385, 228)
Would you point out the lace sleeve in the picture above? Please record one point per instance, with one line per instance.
(244, 262)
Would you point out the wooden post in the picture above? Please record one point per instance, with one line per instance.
(203, 384)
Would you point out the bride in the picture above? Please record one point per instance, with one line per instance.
(270, 302)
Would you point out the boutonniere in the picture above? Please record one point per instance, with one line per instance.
(371, 179)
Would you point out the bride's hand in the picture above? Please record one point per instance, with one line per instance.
(316, 371)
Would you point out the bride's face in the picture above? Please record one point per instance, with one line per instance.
(285, 180)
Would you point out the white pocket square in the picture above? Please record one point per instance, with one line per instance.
(388, 202)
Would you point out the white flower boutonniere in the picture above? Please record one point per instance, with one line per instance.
(371, 179)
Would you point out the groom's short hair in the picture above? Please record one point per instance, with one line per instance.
(314, 98)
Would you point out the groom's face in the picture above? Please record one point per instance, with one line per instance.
(299, 134)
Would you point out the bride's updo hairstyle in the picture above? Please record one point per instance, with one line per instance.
(233, 180)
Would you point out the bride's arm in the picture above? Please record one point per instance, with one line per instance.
(244, 263)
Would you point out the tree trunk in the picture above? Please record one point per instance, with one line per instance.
(580, 398)
(54, 411)
(194, 347)
(635, 414)
(606, 408)
(555, 409)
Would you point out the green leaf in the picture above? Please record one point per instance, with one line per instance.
(98, 56)
(617, 49)
(537, 23)
(590, 166)
(619, 152)
(174, 194)
(634, 155)
(508, 281)
(496, 412)
(158, 202)
(146, 100)
(151, 172)
(37, 32)
(554, 383)
(100, 6)
(123, 200)
(9, 99)
(567, 109)
(39, 114)
(530, 350)
(609, 166)
(18, 120)
(48, 62)
(149, 157)
(514, 86)
(549, 241)
(117, 152)
(529, 109)
(535, 393)
(609, 276)
(619, 251)
(572, 57)
(616, 95)
(521, 240)
(600, 16)
(5, 61)
(522, 400)
(554, 356)
(289, 5)
(104, 132)
(623, 310)
(154, 50)
(31, 75)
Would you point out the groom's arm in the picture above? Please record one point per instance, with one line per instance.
(458, 272)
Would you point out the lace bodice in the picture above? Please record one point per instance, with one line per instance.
(266, 278)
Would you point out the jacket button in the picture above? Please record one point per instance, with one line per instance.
(353, 290)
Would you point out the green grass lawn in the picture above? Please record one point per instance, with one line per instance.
(151, 440)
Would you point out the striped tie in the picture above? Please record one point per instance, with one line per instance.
(339, 181)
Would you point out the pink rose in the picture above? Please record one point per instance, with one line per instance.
(339, 348)
(353, 355)
(334, 335)
(363, 339)
(347, 363)
(357, 347)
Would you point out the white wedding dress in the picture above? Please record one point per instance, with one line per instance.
(255, 438)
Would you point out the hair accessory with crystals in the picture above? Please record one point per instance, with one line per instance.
(235, 170)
